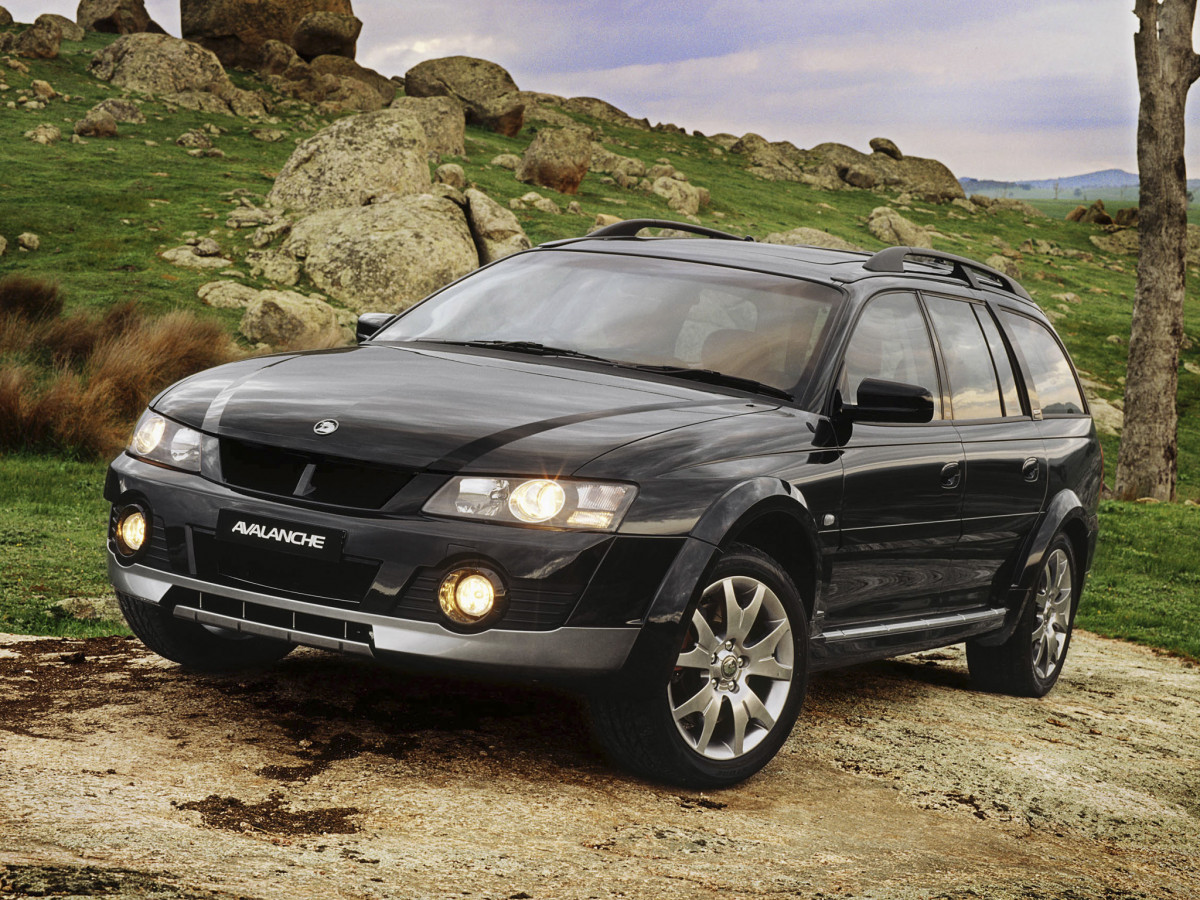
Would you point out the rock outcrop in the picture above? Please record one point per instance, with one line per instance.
(70, 31)
(558, 159)
(496, 231)
(1095, 214)
(810, 237)
(386, 256)
(892, 228)
(443, 121)
(344, 67)
(5, 17)
(324, 33)
(39, 41)
(122, 110)
(116, 17)
(236, 30)
(604, 111)
(487, 92)
(353, 161)
(157, 64)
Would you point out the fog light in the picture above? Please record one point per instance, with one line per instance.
(470, 596)
(131, 531)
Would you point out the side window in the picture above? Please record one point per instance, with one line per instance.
(1004, 369)
(1057, 390)
(973, 390)
(891, 342)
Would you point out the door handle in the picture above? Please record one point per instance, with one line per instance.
(1031, 469)
(951, 475)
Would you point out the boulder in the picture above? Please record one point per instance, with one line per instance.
(157, 64)
(116, 17)
(200, 101)
(545, 108)
(44, 134)
(451, 174)
(97, 123)
(506, 161)
(326, 33)
(289, 319)
(603, 220)
(486, 90)
(886, 147)
(893, 229)
(443, 121)
(42, 90)
(558, 159)
(604, 111)
(810, 237)
(496, 231)
(236, 30)
(1014, 205)
(226, 294)
(241, 102)
(534, 200)
(273, 265)
(926, 179)
(765, 159)
(1120, 242)
(681, 196)
(276, 57)
(28, 241)
(39, 41)
(857, 176)
(122, 110)
(354, 160)
(625, 170)
(194, 138)
(1095, 214)
(188, 257)
(330, 93)
(3, 240)
(386, 256)
(6, 18)
(1127, 217)
(1003, 264)
(344, 67)
(70, 31)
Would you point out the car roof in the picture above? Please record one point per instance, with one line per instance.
(845, 267)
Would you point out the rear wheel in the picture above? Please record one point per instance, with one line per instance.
(726, 702)
(1029, 662)
(195, 646)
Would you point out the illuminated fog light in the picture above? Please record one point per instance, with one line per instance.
(148, 435)
(131, 531)
(469, 596)
(536, 501)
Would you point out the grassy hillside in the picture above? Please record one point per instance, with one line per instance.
(105, 209)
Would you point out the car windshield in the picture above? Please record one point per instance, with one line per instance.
(635, 310)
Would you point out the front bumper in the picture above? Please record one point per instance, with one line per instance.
(577, 600)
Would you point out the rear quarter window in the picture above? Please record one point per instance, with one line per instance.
(1053, 378)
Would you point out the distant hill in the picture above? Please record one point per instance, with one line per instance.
(1107, 179)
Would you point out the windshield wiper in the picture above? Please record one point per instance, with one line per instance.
(712, 376)
(531, 347)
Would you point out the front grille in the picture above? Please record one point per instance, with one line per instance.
(284, 618)
(530, 607)
(345, 581)
(308, 476)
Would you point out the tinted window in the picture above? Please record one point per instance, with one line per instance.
(973, 390)
(1057, 391)
(891, 342)
(1004, 369)
(637, 310)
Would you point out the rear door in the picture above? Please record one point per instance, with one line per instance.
(902, 488)
(1005, 468)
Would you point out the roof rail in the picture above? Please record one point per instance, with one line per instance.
(630, 227)
(970, 271)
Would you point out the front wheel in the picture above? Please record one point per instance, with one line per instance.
(726, 702)
(1029, 662)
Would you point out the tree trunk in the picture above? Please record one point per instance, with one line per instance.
(1166, 66)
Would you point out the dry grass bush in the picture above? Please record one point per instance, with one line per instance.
(74, 385)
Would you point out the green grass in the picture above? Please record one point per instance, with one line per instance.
(1145, 585)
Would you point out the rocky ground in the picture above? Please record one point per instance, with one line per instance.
(327, 777)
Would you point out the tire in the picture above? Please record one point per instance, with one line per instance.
(196, 647)
(1029, 662)
(726, 697)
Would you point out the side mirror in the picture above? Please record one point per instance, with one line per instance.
(370, 323)
(891, 401)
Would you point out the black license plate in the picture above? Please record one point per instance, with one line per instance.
(279, 535)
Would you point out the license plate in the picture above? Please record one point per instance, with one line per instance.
(279, 535)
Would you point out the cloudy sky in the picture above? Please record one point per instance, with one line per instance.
(994, 88)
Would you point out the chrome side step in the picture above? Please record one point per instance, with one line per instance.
(244, 626)
(933, 623)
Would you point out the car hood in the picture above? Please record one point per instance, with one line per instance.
(441, 410)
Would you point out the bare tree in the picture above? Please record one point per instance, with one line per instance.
(1166, 68)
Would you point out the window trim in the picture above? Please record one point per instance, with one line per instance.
(1027, 372)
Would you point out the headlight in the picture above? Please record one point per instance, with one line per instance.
(558, 503)
(159, 440)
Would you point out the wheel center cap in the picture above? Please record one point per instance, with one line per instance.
(729, 666)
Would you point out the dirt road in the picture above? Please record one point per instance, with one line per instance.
(121, 776)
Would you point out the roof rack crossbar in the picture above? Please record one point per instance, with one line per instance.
(630, 228)
(892, 259)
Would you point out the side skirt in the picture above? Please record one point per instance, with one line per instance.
(863, 643)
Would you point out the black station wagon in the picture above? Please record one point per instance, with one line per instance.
(679, 475)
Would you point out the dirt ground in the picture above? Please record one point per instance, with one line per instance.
(121, 776)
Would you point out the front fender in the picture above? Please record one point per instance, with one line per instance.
(728, 517)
